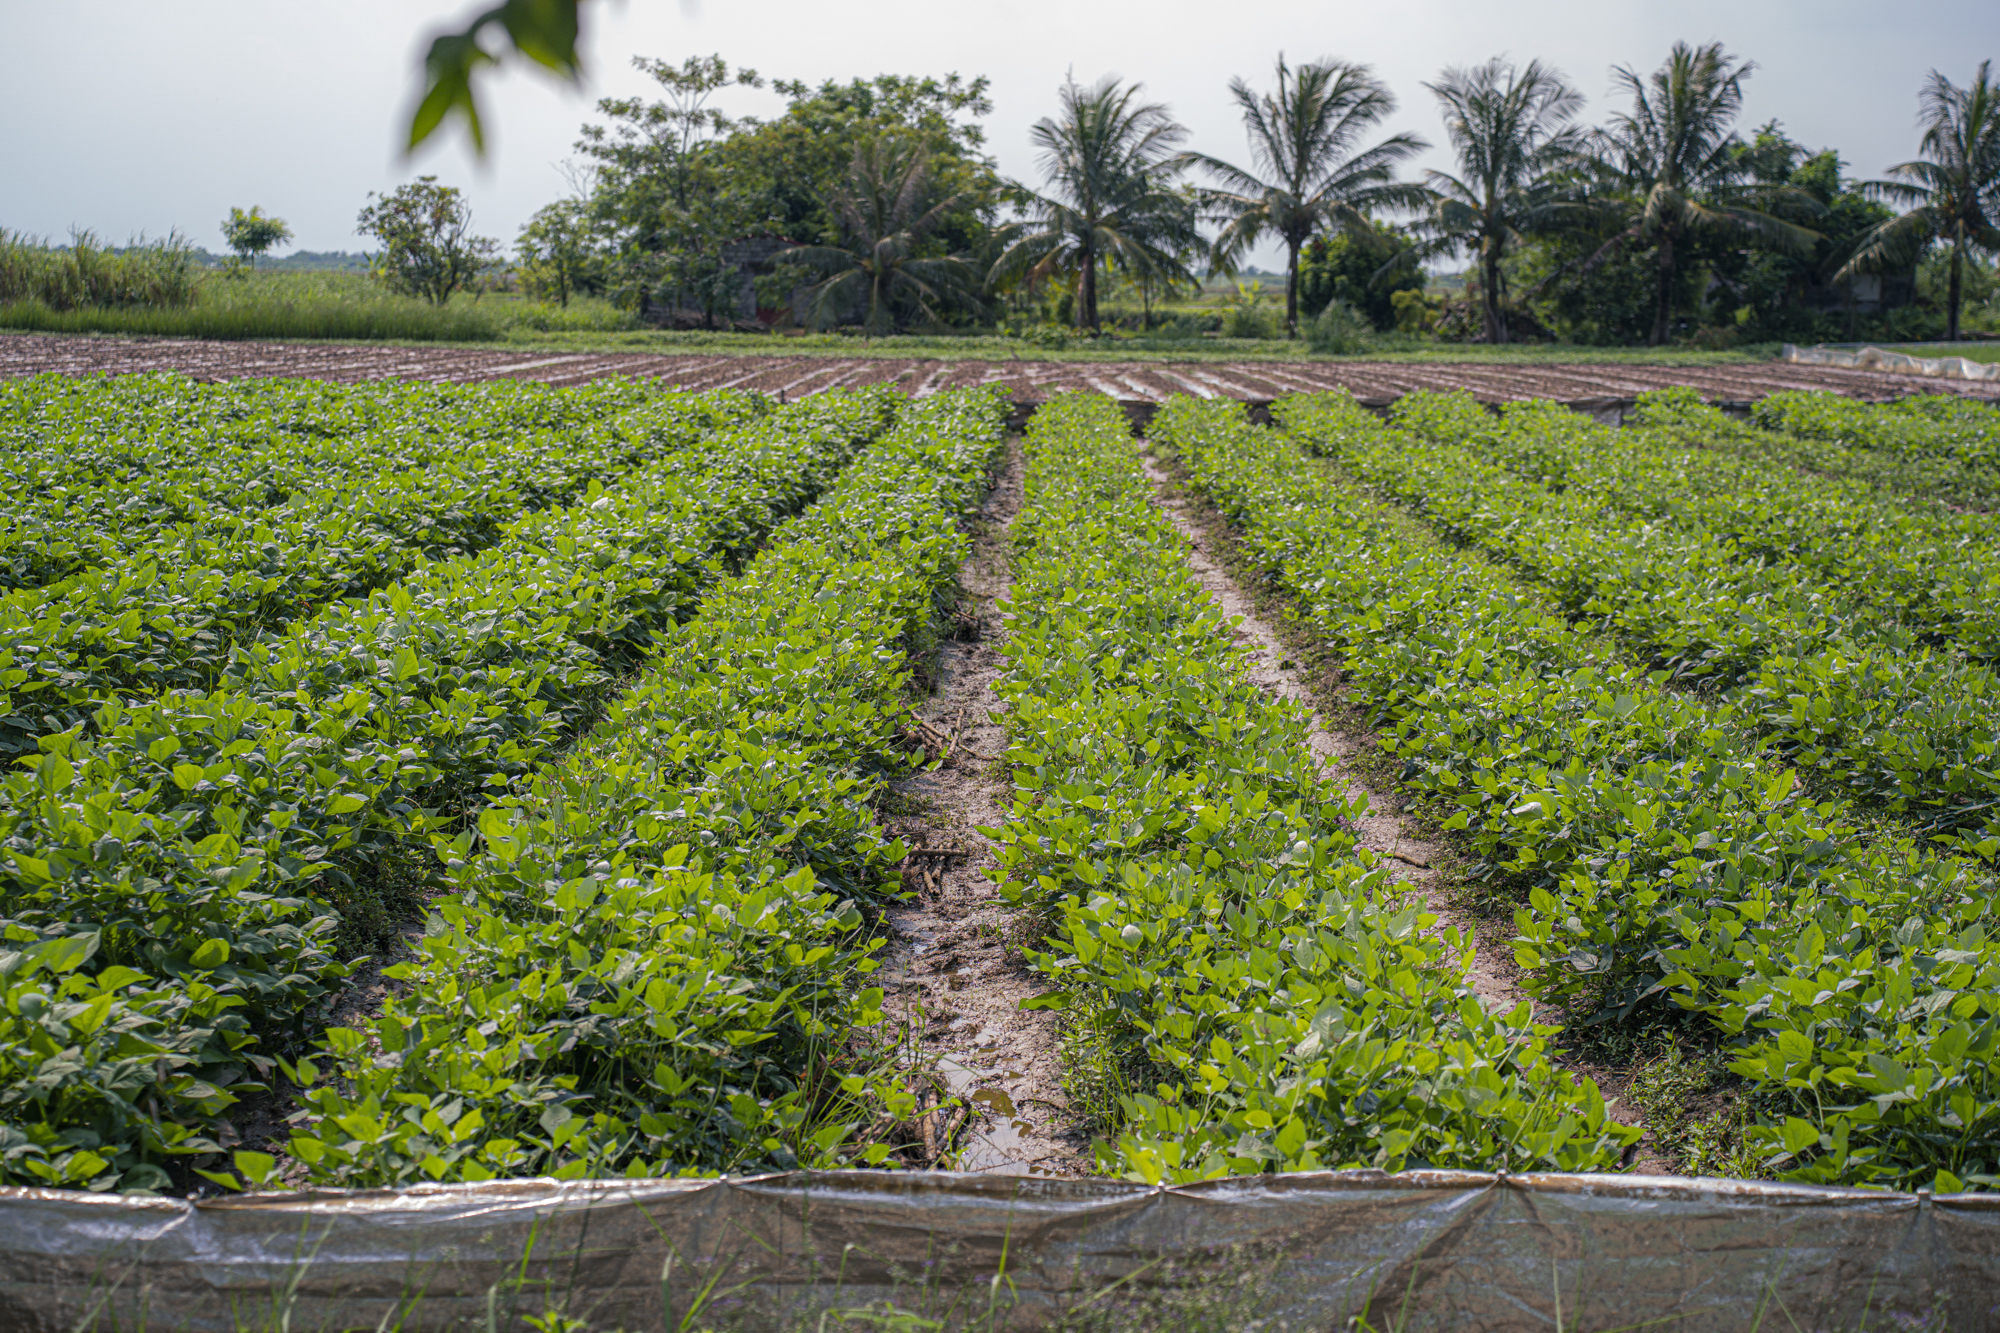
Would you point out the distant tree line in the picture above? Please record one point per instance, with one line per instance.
(877, 206)
(874, 205)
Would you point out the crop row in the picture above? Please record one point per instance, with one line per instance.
(174, 615)
(652, 959)
(1257, 993)
(1914, 564)
(156, 468)
(1665, 852)
(1923, 476)
(1926, 480)
(1960, 430)
(1843, 688)
(189, 874)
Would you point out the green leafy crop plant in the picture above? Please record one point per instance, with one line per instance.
(652, 959)
(200, 846)
(1846, 677)
(1912, 563)
(1665, 850)
(152, 543)
(1213, 921)
(1926, 478)
(1961, 430)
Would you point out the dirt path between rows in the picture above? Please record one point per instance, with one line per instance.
(954, 965)
(1378, 829)
(1493, 976)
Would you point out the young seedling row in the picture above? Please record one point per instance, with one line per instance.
(439, 784)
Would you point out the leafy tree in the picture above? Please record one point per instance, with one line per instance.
(251, 234)
(1674, 169)
(1108, 165)
(1512, 133)
(1308, 168)
(427, 246)
(660, 192)
(790, 169)
(1362, 269)
(886, 210)
(557, 252)
(1952, 192)
(1770, 283)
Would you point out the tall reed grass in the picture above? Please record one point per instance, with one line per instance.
(237, 304)
(85, 275)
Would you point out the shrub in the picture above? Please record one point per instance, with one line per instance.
(1340, 330)
(1250, 321)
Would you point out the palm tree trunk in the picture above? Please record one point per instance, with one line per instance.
(1952, 293)
(1496, 327)
(1663, 316)
(1086, 297)
(1292, 289)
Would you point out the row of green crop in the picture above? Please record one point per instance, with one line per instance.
(1928, 480)
(1948, 426)
(1667, 854)
(180, 869)
(1914, 564)
(651, 960)
(1845, 689)
(1257, 991)
(1923, 476)
(177, 613)
(138, 467)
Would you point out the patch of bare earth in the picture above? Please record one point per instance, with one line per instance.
(1343, 745)
(951, 970)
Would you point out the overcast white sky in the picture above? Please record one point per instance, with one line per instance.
(130, 116)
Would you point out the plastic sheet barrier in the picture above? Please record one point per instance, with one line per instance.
(1899, 363)
(1447, 1250)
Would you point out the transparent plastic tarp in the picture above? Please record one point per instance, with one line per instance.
(1900, 363)
(1436, 1249)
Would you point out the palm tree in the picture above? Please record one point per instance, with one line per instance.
(1678, 169)
(1953, 191)
(1310, 171)
(884, 218)
(1108, 167)
(1512, 133)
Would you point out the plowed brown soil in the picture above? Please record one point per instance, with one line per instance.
(24, 354)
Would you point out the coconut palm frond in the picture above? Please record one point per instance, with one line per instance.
(885, 212)
(1951, 194)
(1308, 170)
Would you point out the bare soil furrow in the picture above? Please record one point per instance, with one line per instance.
(955, 967)
(1417, 860)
